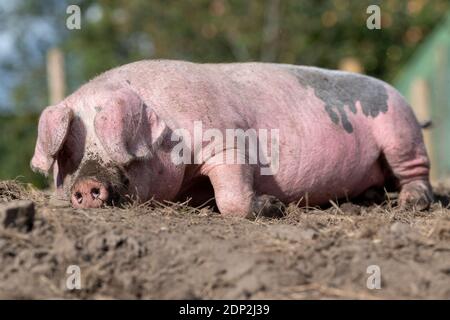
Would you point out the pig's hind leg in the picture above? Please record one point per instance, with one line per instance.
(400, 138)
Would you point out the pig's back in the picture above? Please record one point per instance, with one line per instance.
(256, 91)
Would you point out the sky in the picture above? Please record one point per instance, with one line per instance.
(6, 50)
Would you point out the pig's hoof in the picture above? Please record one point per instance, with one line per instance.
(268, 206)
(416, 195)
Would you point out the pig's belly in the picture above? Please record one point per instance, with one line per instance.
(325, 171)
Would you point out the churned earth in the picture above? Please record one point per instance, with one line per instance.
(172, 251)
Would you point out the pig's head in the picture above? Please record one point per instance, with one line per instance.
(103, 148)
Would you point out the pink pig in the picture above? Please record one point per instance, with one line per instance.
(340, 134)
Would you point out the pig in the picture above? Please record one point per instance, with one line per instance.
(340, 135)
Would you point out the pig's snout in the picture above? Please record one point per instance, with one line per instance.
(89, 193)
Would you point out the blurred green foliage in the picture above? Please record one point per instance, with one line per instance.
(319, 32)
(323, 33)
(17, 138)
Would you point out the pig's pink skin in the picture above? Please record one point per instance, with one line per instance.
(317, 156)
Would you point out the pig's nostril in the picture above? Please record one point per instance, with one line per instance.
(79, 197)
(95, 193)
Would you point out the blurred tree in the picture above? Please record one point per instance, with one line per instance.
(320, 33)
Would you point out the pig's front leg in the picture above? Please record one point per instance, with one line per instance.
(235, 196)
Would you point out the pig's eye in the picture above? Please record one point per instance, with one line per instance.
(95, 192)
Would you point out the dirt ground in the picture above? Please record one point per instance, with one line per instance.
(156, 251)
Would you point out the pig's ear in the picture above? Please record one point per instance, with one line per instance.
(127, 128)
(53, 127)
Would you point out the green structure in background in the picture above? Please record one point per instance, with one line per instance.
(425, 82)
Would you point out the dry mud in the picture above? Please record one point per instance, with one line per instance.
(156, 251)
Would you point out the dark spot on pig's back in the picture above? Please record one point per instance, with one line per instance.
(341, 91)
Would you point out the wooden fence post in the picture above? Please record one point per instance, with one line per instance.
(55, 76)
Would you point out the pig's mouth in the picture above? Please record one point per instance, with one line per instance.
(98, 186)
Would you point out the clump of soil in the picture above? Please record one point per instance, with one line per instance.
(11, 190)
(174, 251)
(15, 190)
